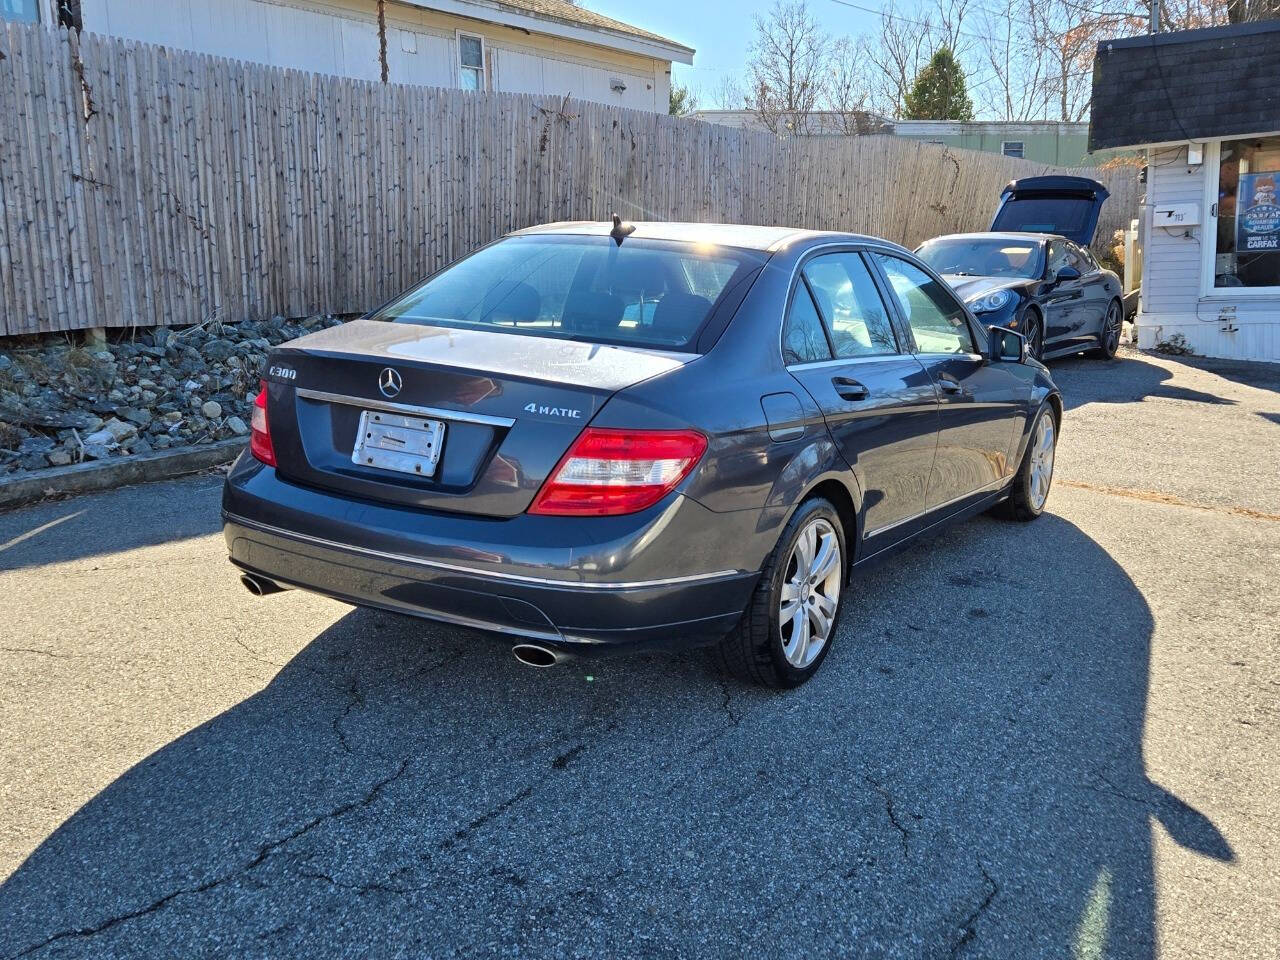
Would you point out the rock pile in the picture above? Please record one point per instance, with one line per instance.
(148, 390)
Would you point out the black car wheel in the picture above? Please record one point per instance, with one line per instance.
(1109, 335)
(1030, 489)
(790, 622)
(1032, 327)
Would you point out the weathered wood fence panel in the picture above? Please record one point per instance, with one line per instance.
(141, 185)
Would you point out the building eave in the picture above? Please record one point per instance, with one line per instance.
(596, 36)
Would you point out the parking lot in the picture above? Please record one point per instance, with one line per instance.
(1059, 739)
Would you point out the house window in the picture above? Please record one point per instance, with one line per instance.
(471, 62)
(24, 11)
(1011, 148)
(1247, 252)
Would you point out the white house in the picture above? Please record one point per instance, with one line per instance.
(1206, 106)
(523, 46)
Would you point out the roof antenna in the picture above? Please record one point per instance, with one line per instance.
(621, 230)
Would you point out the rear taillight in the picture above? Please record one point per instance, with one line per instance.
(259, 431)
(610, 471)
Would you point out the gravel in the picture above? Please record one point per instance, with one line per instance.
(149, 390)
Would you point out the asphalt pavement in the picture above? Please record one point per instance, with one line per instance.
(1057, 739)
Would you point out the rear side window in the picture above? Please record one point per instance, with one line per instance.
(851, 305)
(803, 340)
(645, 292)
(936, 318)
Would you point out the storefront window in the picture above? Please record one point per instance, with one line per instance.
(1248, 250)
(23, 11)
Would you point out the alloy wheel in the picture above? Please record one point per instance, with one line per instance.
(1035, 335)
(1111, 329)
(1042, 450)
(810, 593)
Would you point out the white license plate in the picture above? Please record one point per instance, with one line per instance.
(392, 441)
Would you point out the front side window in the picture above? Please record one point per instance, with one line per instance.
(24, 11)
(936, 318)
(1248, 241)
(581, 288)
(471, 61)
(851, 305)
(1057, 258)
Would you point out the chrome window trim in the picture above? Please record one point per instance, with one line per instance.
(474, 571)
(416, 411)
(844, 362)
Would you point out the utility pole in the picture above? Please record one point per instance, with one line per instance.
(1155, 16)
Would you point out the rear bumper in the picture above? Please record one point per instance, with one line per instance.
(530, 587)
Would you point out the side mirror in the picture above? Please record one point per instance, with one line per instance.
(1005, 345)
(1066, 273)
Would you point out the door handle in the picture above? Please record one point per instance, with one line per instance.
(949, 386)
(850, 389)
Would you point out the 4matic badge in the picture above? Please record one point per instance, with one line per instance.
(544, 410)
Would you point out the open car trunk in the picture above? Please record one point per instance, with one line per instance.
(1067, 206)
(470, 421)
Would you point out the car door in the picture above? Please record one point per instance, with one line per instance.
(1095, 297)
(879, 402)
(981, 405)
(1063, 297)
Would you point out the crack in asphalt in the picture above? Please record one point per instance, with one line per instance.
(968, 929)
(263, 854)
(904, 833)
(492, 813)
(1169, 499)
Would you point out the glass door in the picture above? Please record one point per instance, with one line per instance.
(1244, 222)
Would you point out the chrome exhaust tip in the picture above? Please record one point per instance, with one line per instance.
(532, 655)
(260, 586)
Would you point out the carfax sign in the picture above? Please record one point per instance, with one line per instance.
(1258, 222)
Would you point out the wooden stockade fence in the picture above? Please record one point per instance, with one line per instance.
(141, 185)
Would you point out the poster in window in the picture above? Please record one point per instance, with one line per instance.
(1258, 222)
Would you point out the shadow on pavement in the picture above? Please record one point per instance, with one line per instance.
(965, 777)
(1122, 380)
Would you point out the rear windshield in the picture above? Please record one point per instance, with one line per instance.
(653, 293)
(1064, 215)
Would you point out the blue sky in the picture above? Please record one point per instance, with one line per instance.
(720, 30)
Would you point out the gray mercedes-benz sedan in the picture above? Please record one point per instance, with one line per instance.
(596, 437)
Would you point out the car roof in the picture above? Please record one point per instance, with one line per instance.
(999, 235)
(748, 236)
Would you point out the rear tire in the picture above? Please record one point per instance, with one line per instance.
(1030, 490)
(798, 579)
(1109, 335)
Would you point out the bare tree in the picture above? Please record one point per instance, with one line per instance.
(910, 32)
(727, 94)
(786, 69)
(1015, 86)
(899, 52)
(846, 93)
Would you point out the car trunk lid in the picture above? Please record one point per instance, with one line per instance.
(1067, 206)
(510, 406)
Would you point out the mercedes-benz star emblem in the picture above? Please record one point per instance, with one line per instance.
(389, 382)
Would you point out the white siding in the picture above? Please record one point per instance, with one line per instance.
(1171, 262)
(421, 48)
(520, 72)
(1172, 268)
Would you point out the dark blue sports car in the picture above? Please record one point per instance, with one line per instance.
(1034, 272)
(595, 437)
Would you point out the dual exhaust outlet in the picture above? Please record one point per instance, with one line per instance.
(530, 654)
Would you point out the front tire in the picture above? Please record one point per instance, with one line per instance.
(1033, 329)
(1030, 490)
(787, 628)
(1109, 335)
